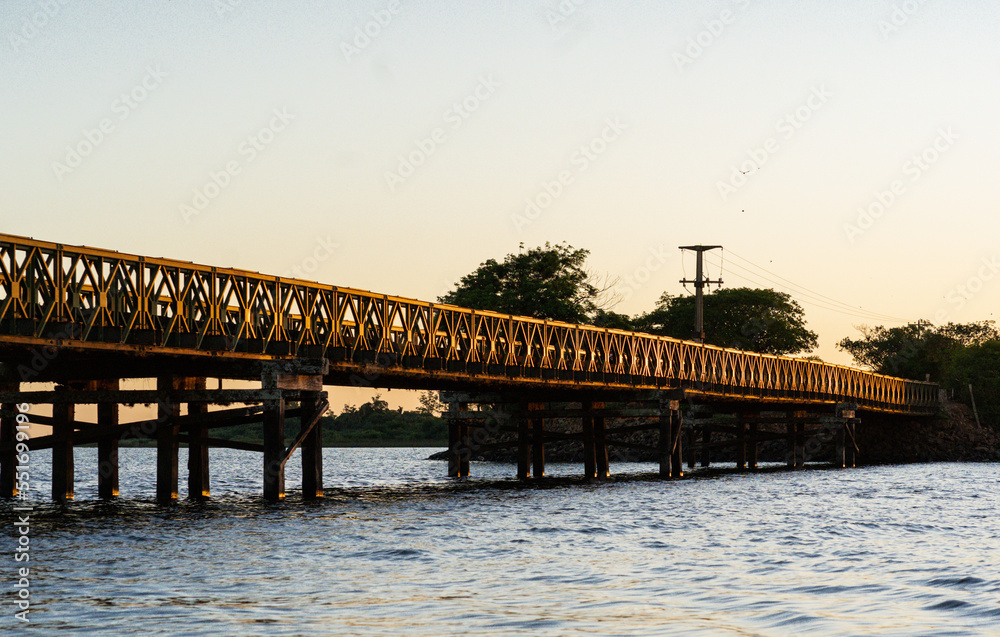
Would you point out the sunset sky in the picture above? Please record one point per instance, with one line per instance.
(848, 148)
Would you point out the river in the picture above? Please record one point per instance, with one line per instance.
(395, 548)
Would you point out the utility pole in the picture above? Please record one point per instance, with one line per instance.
(699, 285)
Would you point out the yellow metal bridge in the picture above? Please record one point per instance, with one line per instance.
(104, 302)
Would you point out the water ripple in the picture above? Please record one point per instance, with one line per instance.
(395, 548)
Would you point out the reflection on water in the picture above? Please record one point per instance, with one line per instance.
(395, 548)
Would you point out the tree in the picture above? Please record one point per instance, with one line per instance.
(978, 365)
(754, 320)
(607, 318)
(917, 349)
(430, 403)
(545, 282)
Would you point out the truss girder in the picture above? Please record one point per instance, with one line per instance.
(132, 300)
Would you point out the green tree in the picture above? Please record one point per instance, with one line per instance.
(547, 282)
(430, 403)
(917, 349)
(755, 320)
(978, 365)
(607, 318)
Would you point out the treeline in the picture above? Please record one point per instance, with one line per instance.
(372, 424)
(553, 282)
(956, 356)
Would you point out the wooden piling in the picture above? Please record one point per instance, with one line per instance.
(846, 452)
(600, 444)
(692, 452)
(670, 449)
(274, 449)
(107, 446)
(677, 451)
(800, 444)
(198, 470)
(850, 456)
(312, 448)
(166, 441)
(63, 415)
(458, 443)
(746, 439)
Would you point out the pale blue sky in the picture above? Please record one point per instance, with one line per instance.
(864, 100)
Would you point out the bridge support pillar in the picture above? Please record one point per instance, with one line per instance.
(312, 448)
(166, 441)
(692, 451)
(458, 444)
(537, 442)
(199, 487)
(677, 452)
(746, 438)
(847, 444)
(8, 442)
(589, 448)
(850, 447)
(795, 439)
(63, 415)
(274, 449)
(107, 446)
(600, 444)
(670, 448)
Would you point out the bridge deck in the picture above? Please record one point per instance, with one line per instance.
(140, 315)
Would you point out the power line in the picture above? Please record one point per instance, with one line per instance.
(812, 297)
(814, 293)
(807, 299)
(807, 302)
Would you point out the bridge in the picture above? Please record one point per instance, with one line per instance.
(88, 320)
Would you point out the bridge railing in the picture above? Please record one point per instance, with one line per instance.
(93, 295)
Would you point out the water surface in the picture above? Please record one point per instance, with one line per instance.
(396, 548)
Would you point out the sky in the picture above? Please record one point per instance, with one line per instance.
(844, 152)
